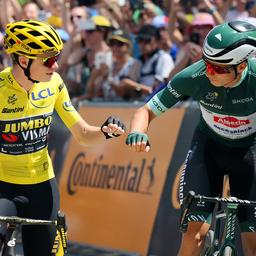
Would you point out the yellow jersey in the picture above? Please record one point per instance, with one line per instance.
(25, 119)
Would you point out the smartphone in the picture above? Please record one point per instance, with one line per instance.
(195, 38)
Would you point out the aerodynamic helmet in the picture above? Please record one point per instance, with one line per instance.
(230, 43)
(32, 38)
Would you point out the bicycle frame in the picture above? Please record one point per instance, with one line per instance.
(60, 243)
(219, 243)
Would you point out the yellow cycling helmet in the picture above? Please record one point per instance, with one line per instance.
(32, 38)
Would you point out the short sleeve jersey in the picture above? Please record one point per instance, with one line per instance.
(25, 119)
(227, 114)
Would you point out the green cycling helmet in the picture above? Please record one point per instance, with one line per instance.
(230, 43)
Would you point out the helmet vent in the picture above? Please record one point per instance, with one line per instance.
(53, 37)
(48, 43)
(16, 27)
(22, 37)
(11, 42)
(34, 45)
(34, 33)
(34, 24)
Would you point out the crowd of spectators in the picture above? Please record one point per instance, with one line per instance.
(125, 50)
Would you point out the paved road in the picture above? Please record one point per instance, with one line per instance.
(85, 250)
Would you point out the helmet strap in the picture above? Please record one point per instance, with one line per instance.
(235, 69)
(27, 69)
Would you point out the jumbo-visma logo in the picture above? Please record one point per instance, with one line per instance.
(41, 99)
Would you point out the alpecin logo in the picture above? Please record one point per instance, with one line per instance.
(230, 121)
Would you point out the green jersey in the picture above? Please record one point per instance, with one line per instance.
(227, 114)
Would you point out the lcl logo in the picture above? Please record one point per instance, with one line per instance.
(38, 99)
(43, 94)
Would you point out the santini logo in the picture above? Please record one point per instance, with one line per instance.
(12, 110)
(173, 91)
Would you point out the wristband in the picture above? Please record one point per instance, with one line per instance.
(212, 10)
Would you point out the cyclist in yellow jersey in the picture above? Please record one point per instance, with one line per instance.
(30, 91)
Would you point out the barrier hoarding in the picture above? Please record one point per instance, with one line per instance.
(110, 194)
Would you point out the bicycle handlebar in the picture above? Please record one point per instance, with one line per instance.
(192, 197)
(60, 224)
(14, 220)
(234, 200)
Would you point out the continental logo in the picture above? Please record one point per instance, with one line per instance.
(182, 178)
(100, 175)
(12, 110)
(27, 125)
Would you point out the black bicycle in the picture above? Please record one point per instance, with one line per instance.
(218, 242)
(13, 222)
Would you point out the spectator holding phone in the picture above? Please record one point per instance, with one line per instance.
(191, 51)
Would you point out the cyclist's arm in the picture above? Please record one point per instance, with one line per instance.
(137, 138)
(88, 135)
(162, 101)
(141, 119)
(84, 133)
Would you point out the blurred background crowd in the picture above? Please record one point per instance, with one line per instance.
(124, 50)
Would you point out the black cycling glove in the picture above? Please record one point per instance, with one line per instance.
(113, 120)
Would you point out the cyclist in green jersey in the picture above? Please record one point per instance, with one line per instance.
(30, 91)
(224, 84)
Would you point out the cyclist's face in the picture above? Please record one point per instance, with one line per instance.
(147, 45)
(220, 75)
(43, 69)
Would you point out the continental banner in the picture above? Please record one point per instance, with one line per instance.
(110, 194)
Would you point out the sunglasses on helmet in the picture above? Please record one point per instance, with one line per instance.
(49, 62)
(211, 68)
